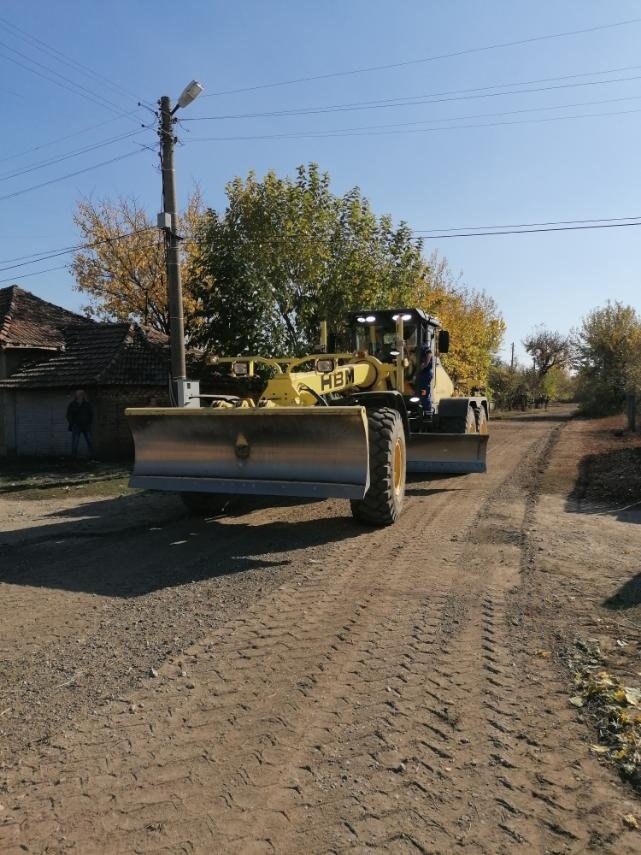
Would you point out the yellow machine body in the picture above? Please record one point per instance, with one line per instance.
(306, 435)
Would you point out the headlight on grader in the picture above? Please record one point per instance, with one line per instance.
(324, 366)
(239, 369)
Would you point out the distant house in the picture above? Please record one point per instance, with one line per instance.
(47, 352)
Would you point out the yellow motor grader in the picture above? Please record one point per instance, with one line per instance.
(349, 424)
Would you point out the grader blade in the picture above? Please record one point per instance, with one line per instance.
(447, 453)
(284, 451)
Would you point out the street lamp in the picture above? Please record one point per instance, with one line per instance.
(167, 221)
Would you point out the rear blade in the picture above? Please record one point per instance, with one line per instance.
(288, 451)
(453, 453)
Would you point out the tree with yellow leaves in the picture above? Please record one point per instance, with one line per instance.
(472, 317)
(121, 266)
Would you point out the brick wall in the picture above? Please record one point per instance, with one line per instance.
(111, 430)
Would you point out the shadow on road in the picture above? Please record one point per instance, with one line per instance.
(425, 484)
(628, 596)
(533, 417)
(100, 556)
(609, 483)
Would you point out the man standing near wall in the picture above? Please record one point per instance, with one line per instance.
(80, 417)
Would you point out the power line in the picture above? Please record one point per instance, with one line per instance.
(528, 225)
(70, 136)
(509, 228)
(43, 255)
(531, 231)
(77, 248)
(78, 89)
(415, 100)
(35, 273)
(63, 58)
(77, 152)
(423, 234)
(69, 175)
(435, 58)
(372, 130)
(598, 102)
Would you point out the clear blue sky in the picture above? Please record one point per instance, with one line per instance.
(512, 171)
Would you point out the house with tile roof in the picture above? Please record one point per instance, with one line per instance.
(47, 352)
(31, 328)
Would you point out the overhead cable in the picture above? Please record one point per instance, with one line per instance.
(372, 130)
(76, 153)
(69, 175)
(63, 81)
(35, 273)
(435, 58)
(528, 225)
(529, 231)
(413, 100)
(63, 58)
(70, 136)
(428, 234)
(572, 105)
(77, 248)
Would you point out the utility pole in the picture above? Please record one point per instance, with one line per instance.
(512, 358)
(167, 221)
(172, 250)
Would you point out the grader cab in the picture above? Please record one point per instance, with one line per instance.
(348, 423)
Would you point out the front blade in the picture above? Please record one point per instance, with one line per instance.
(447, 453)
(290, 451)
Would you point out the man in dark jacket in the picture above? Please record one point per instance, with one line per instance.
(80, 417)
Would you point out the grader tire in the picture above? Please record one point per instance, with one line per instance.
(208, 504)
(383, 502)
(461, 424)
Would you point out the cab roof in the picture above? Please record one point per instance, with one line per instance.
(417, 315)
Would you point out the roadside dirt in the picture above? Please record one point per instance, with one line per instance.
(286, 681)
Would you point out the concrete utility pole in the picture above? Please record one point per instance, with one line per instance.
(172, 247)
(168, 221)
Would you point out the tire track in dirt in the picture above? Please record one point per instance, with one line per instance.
(373, 704)
(328, 611)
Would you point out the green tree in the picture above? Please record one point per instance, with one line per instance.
(559, 384)
(503, 383)
(288, 253)
(607, 355)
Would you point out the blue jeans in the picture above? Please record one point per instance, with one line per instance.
(425, 389)
(76, 433)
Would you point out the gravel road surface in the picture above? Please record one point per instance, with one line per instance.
(286, 681)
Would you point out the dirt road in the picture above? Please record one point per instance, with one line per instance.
(285, 681)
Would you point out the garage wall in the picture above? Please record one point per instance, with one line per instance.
(41, 424)
(7, 422)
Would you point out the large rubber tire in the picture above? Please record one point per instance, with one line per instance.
(460, 424)
(209, 504)
(481, 421)
(383, 502)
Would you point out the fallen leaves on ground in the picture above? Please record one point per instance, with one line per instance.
(617, 711)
